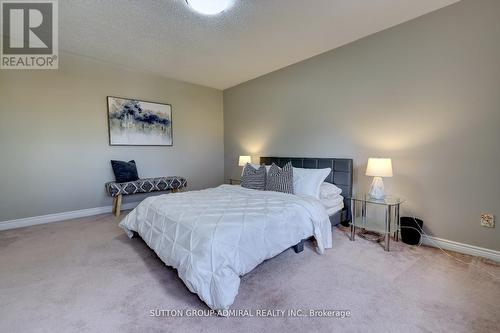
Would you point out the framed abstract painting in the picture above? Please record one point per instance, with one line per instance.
(132, 122)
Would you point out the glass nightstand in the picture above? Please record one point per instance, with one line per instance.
(391, 204)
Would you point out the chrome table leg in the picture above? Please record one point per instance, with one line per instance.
(388, 219)
(353, 219)
(398, 223)
(363, 214)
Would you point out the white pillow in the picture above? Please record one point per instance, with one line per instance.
(331, 200)
(308, 181)
(328, 189)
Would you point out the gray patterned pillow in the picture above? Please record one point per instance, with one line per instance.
(280, 180)
(254, 178)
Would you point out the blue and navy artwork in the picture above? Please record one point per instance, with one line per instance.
(134, 122)
(134, 110)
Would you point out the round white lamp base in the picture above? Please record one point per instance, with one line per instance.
(377, 189)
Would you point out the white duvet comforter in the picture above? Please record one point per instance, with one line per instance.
(214, 236)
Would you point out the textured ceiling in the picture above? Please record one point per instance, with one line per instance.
(252, 38)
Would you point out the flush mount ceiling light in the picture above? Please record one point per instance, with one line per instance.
(209, 7)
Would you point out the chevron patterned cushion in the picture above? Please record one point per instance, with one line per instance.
(280, 179)
(146, 185)
(254, 178)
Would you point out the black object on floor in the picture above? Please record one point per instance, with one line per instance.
(410, 230)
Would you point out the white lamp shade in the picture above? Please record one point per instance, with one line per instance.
(244, 160)
(379, 167)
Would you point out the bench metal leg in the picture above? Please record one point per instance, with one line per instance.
(117, 205)
(299, 247)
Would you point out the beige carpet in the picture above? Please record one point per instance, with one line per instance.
(87, 276)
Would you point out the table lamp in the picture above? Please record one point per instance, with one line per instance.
(378, 168)
(244, 160)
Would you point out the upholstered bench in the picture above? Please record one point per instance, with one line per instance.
(146, 185)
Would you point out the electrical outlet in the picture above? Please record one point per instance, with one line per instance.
(488, 220)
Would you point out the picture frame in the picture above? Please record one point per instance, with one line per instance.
(135, 122)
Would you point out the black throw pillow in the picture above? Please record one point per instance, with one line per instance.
(124, 171)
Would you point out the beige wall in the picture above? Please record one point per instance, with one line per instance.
(54, 137)
(425, 93)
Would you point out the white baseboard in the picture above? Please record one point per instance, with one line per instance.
(427, 240)
(28, 221)
(461, 248)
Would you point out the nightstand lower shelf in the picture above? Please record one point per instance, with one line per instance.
(390, 224)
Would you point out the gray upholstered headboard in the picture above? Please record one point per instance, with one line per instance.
(341, 174)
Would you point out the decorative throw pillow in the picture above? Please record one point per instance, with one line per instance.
(280, 179)
(255, 166)
(124, 171)
(254, 178)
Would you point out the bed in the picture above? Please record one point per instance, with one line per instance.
(214, 236)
